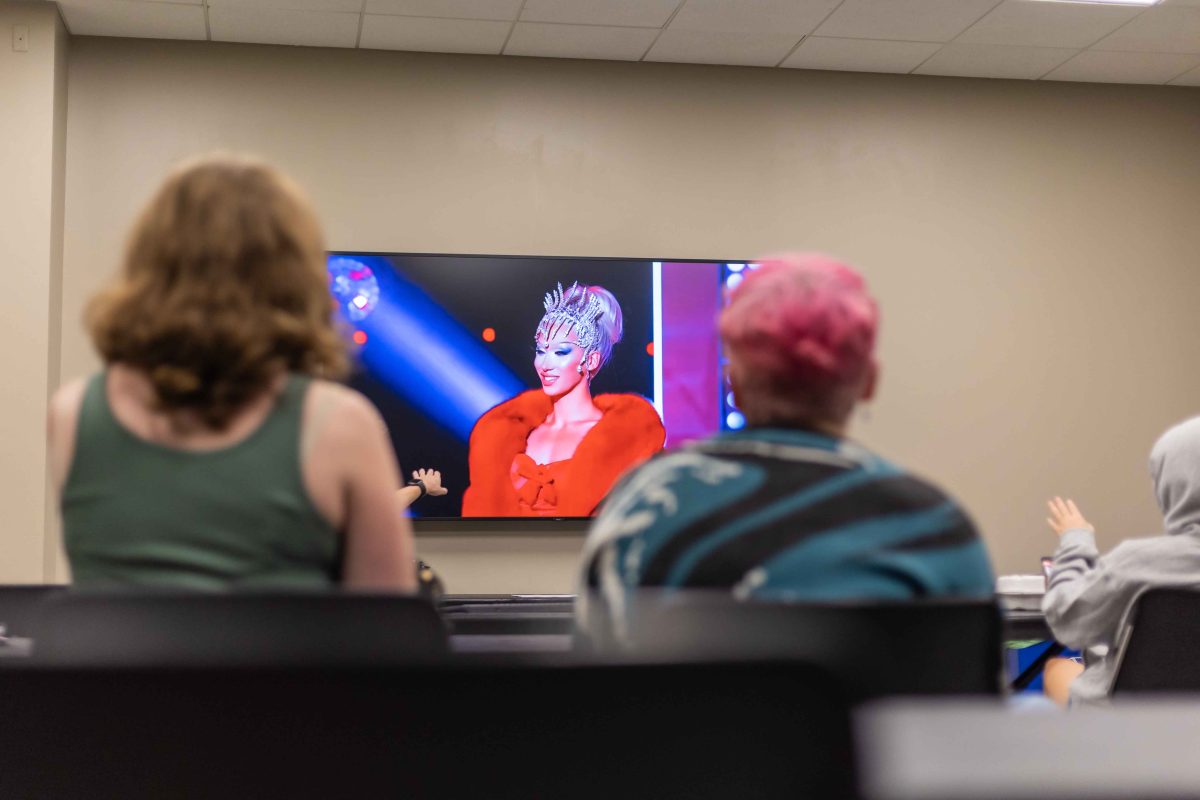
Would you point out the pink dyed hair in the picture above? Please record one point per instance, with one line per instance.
(803, 323)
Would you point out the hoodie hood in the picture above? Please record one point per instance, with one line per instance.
(1175, 469)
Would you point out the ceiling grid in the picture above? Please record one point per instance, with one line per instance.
(1023, 39)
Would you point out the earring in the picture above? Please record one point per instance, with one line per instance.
(579, 367)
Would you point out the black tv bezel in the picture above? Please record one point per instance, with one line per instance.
(577, 524)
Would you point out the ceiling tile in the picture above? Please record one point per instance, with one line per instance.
(1039, 24)
(860, 55)
(138, 20)
(433, 35)
(1110, 67)
(994, 61)
(274, 26)
(774, 17)
(1173, 29)
(579, 41)
(910, 20)
(644, 13)
(700, 47)
(453, 9)
(1189, 78)
(351, 6)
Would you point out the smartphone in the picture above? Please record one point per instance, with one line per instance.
(1047, 568)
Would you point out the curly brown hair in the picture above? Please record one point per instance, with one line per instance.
(224, 287)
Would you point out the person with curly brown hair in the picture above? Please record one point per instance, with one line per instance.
(214, 451)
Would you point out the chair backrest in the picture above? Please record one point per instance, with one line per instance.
(1159, 646)
(152, 629)
(20, 606)
(455, 731)
(877, 649)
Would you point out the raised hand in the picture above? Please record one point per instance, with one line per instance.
(432, 480)
(1065, 516)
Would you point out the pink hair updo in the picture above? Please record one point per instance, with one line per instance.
(802, 320)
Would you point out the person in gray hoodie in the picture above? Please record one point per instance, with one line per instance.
(1089, 595)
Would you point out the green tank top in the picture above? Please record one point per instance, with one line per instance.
(137, 513)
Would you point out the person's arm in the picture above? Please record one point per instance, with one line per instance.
(353, 451)
(407, 495)
(1085, 600)
(431, 484)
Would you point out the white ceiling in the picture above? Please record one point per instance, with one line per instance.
(1026, 39)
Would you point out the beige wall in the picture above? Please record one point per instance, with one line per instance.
(504, 564)
(32, 151)
(1033, 245)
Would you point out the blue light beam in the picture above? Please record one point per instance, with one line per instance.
(421, 352)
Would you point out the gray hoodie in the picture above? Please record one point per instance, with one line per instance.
(1089, 595)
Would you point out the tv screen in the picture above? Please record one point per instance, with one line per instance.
(533, 383)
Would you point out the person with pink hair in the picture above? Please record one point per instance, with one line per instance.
(788, 508)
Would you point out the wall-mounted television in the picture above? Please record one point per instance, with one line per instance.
(475, 363)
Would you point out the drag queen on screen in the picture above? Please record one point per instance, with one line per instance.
(557, 450)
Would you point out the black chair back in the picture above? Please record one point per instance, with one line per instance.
(1159, 647)
(20, 606)
(930, 647)
(744, 730)
(153, 629)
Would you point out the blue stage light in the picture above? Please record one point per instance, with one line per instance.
(735, 421)
(419, 350)
(733, 280)
(354, 286)
(736, 267)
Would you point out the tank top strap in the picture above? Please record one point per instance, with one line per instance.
(97, 428)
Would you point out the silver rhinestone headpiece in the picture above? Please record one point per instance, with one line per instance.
(572, 309)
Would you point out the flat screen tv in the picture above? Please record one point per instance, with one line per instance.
(470, 370)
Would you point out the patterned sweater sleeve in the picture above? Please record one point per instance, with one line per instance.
(601, 589)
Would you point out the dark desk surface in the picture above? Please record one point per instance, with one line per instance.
(545, 623)
(508, 615)
(553, 614)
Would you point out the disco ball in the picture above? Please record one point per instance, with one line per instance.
(354, 287)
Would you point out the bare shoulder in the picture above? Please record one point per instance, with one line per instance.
(62, 421)
(339, 414)
(65, 405)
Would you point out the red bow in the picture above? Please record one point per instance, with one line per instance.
(539, 481)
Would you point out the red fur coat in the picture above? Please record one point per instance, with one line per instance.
(628, 433)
